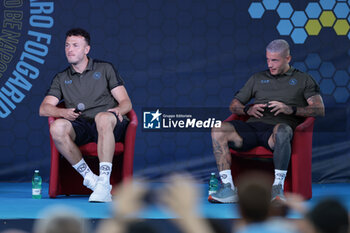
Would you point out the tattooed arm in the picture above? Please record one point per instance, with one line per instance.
(237, 107)
(315, 107)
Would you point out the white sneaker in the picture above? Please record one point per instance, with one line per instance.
(90, 181)
(102, 193)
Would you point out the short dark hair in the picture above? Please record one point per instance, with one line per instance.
(79, 32)
(254, 196)
(329, 216)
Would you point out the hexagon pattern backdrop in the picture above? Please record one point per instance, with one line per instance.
(171, 53)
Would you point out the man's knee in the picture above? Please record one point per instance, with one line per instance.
(226, 133)
(219, 133)
(105, 121)
(284, 133)
(60, 128)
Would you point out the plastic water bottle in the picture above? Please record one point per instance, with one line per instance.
(213, 183)
(36, 185)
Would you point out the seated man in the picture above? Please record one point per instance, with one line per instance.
(96, 103)
(283, 97)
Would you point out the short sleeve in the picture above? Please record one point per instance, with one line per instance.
(311, 88)
(245, 94)
(113, 77)
(55, 88)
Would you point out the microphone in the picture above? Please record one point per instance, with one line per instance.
(80, 107)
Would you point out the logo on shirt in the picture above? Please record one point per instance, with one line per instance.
(151, 120)
(264, 81)
(97, 75)
(293, 81)
(68, 81)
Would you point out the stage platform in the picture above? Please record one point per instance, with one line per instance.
(18, 209)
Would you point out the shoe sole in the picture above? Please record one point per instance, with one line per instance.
(278, 198)
(221, 201)
(95, 200)
(97, 197)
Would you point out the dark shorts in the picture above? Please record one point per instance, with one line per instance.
(86, 130)
(253, 134)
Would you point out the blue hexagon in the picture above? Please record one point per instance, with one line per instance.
(299, 18)
(270, 4)
(299, 35)
(21, 128)
(284, 27)
(196, 142)
(316, 75)
(153, 154)
(285, 10)
(327, 4)
(341, 95)
(211, 84)
(341, 78)
(300, 66)
(313, 61)
(256, 10)
(313, 10)
(167, 145)
(327, 86)
(4, 150)
(341, 10)
(7, 138)
(20, 150)
(327, 69)
(35, 138)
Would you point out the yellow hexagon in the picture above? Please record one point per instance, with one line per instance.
(313, 27)
(327, 18)
(341, 27)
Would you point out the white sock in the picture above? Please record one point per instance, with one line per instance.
(82, 168)
(226, 177)
(280, 176)
(105, 172)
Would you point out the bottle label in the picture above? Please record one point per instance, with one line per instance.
(36, 191)
(212, 192)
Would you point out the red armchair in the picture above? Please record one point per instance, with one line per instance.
(64, 180)
(298, 178)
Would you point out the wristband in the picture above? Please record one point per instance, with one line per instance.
(294, 108)
(245, 109)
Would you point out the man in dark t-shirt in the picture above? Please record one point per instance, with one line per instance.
(96, 102)
(283, 96)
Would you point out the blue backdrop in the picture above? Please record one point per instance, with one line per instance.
(175, 54)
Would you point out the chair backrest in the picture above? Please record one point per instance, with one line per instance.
(132, 117)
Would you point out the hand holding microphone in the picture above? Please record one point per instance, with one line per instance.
(71, 114)
(80, 107)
